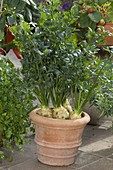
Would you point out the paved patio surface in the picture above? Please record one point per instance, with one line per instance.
(95, 153)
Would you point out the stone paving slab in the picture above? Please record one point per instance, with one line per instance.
(101, 164)
(105, 124)
(96, 146)
(94, 133)
(93, 152)
(2, 168)
(84, 159)
(34, 164)
(20, 157)
(105, 152)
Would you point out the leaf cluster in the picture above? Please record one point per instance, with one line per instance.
(15, 104)
(93, 12)
(56, 64)
(12, 12)
(103, 98)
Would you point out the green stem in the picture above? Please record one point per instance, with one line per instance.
(91, 89)
(1, 6)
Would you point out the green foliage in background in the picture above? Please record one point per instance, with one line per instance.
(15, 104)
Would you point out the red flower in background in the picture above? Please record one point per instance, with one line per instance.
(9, 38)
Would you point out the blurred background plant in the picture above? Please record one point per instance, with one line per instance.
(103, 99)
(13, 11)
(92, 13)
(15, 104)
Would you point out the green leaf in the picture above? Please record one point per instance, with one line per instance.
(2, 23)
(20, 6)
(74, 10)
(93, 25)
(27, 1)
(1, 35)
(102, 2)
(26, 26)
(84, 21)
(11, 20)
(28, 15)
(1, 152)
(9, 133)
(32, 2)
(95, 16)
(14, 3)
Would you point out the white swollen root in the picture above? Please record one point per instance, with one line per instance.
(60, 113)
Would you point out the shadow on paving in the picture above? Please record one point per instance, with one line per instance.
(96, 153)
(93, 134)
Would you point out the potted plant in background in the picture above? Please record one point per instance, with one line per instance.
(58, 66)
(95, 14)
(104, 98)
(15, 104)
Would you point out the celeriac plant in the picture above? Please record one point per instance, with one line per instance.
(56, 64)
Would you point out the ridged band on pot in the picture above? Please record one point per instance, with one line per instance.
(58, 140)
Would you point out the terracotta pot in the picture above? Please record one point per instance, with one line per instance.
(58, 140)
(109, 39)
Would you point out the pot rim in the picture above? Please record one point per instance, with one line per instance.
(58, 122)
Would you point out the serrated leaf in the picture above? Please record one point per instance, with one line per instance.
(95, 16)
(84, 21)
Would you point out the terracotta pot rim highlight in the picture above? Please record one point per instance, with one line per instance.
(58, 122)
